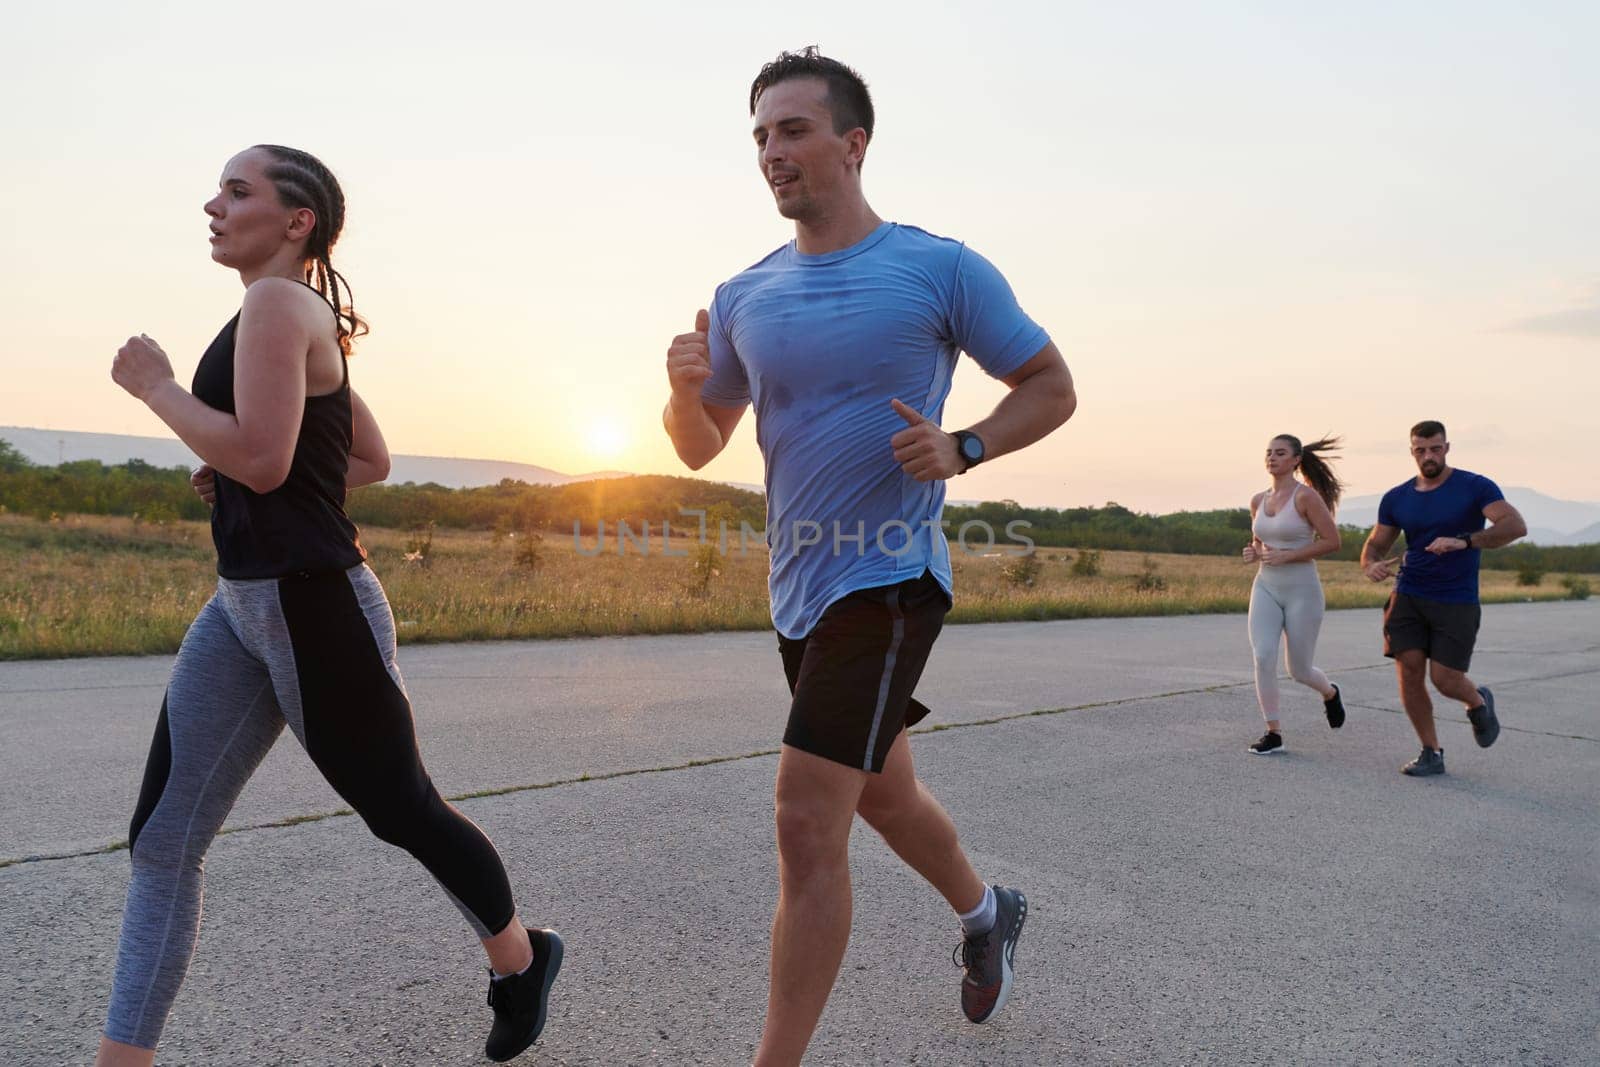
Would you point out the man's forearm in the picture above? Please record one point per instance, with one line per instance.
(1500, 534)
(1027, 413)
(695, 436)
(1373, 550)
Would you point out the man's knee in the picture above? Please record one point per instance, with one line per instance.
(1444, 677)
(810, 837)
(882, 807)
(1411, 666)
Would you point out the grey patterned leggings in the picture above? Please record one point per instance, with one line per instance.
(317, 652)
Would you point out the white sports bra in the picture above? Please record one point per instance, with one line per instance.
(1287, 529)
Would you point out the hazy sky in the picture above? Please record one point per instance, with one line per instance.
(1236, 219)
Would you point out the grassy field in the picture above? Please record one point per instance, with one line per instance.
(90, 586)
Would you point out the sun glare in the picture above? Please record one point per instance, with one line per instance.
(605, 439)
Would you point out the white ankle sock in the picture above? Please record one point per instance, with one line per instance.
(980, 919)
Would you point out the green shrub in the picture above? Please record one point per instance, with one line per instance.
(1529, 574)
(529, 550)
(1087, 565)
(419, 543)
(1021, 570)
(705, 565)
(1577, 588)
(1149, 579)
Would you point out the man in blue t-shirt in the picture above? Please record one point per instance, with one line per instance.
(1433, 613)
(844, 342)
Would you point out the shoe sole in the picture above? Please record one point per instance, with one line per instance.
(1005, 961)
(552, 968)
(1265, 751)
(1494, 720)
(1421, 774)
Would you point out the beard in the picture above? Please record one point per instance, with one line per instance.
(1431, 468)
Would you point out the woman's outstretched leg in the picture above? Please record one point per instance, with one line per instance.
(341, 691)
(217, 723)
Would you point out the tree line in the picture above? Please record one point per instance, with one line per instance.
(162, 494)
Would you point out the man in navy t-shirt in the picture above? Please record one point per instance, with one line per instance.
(844, 342)
(1433, 613)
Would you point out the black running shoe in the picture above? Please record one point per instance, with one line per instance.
(986, 957)
(519, 1000)
(1333, 708)
(1430, 762)
(1485, 727)
(1267, 744)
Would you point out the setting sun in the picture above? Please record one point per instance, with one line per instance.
(605, 439)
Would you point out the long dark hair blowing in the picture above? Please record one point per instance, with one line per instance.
(1318, 471)
(303, 180)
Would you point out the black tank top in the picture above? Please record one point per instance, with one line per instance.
(299, 527)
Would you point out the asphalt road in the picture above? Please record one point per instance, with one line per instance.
(1189, 903)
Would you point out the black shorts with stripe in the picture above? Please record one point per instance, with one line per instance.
(853, 675)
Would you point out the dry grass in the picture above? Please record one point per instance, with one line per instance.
(82, 586)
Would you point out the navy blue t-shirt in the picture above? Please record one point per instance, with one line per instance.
(1448, 510)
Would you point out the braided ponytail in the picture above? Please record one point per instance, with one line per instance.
(302, 180)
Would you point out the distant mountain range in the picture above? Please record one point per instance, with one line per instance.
(1550, 521)
(66, 446)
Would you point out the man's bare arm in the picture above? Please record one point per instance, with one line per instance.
(699, 431)
(1506, 525)
(1373, 562)
(1041, 398)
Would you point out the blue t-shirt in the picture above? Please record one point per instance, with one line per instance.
(1448, 510)
(819, 345)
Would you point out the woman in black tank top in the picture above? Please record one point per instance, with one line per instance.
(299, 632)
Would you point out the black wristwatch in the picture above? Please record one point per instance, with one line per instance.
(1467, 537)
(970, 447)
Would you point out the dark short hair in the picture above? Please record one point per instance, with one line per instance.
(1428, 428)
(848, 99)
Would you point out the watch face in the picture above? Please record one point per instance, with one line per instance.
(971, 449)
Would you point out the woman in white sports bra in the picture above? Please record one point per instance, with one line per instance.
(1291, 524)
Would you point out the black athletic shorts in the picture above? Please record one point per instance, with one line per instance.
(852, 676)
(1444, 632)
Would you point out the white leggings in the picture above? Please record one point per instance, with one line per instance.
(1285, 600)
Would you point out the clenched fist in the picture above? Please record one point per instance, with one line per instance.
(689, 360)
(141, 367)
(204, 480)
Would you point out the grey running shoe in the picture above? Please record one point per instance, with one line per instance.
(519, 1000)
(1431, 761)
(1485, 727)
(987, 957)
(1267, 744)
(1333, 708)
